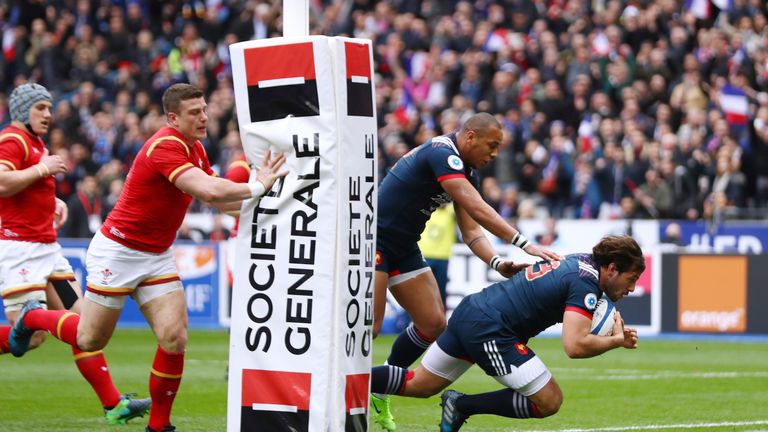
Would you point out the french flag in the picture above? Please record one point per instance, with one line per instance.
(701, 9)
(735, 105)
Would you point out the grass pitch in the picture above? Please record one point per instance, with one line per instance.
(669, 385)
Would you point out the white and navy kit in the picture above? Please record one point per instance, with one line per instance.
(408, 196)
(493, 326)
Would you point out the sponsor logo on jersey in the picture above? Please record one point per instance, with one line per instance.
(590, 301)
(455, 162)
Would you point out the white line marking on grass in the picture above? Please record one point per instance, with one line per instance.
(617, 374)
(661, 427)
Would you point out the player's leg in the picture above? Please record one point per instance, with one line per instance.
(418, 293)
(164, 306)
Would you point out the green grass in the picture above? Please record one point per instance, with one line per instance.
(664, 382)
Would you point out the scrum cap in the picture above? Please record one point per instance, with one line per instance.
(22, 99)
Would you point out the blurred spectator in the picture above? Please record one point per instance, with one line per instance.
(85, 210)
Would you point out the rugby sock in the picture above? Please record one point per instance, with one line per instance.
(408, 347)
(93, 367)
(505, 403)
(163, 384)
(5, 331)
(389, 379)
(62, 324)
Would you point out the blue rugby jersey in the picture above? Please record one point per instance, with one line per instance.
(537, 298)
(411, 191)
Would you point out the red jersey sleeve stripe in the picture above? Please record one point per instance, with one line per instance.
(450, 176)
(9, 164)
(158, 141)
(19, 139)
(175, 173)
(579, 311)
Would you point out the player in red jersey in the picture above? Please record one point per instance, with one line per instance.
(32, 266)
(131, 254)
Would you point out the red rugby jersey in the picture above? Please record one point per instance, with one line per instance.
(151, 208)
(239, 172)
(27, 215)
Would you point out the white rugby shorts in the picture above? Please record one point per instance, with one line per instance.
(116, 271)
(26, 268)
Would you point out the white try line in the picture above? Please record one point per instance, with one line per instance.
(623, 375)
(662, 427)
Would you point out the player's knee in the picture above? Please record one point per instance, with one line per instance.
(433, 326)
(549, 406)
(89, 343)
(174, 340)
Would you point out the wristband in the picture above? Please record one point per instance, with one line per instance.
(519, 240)
(495, 262)
(257, 189)
(42, 170)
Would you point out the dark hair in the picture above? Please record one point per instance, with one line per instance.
(177, 93)
(481, 123)
(621, 250)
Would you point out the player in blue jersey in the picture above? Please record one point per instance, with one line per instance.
(440, 171)
(492, 328)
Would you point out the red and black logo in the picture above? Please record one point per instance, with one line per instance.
(356, 398)
(281, 81)
(275, 401)
(359, 94)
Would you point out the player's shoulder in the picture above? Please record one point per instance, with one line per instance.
(443, 143)
(584, 266)
(166, 140)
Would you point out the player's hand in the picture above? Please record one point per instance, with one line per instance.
(60, 214)
(628, 334)
(54, 163)
(508, 268)
(270, 170)
(532, 249)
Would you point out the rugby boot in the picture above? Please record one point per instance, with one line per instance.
(452, 419)
(382, 416)
(20, 335)
(128, 408)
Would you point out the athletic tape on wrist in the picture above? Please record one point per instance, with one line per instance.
(257, 189)
(520, 241)
(495, 262)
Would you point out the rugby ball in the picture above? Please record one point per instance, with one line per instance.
(603, 318)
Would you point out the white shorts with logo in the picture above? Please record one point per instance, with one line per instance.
(26, 268)
(116, 271)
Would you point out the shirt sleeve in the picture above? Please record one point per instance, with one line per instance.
(583, 294)
(445, 163)
(170, 158)
(12, 154)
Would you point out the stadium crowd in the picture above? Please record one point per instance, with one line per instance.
(610, 108)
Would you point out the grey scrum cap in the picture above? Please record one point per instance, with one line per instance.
(22, 99)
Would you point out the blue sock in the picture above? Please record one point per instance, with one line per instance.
(408, 347)
(505, 403)
(387, 379)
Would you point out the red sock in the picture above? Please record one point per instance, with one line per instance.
(163, 385)
(5, 331)
(93, 367)
(62, 324)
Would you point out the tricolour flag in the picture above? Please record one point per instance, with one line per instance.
(359, 80)
(275, 400)
(281, 81)
(701, 9)
(735, 105)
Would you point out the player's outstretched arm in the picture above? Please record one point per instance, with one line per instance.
(467, 197)
(578, 342)
(476, 240)
(213, 190)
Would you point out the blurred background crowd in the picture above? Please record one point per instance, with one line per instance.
(610, 108)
